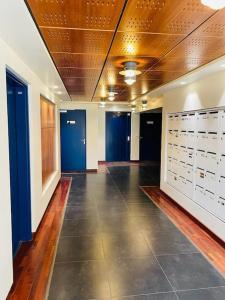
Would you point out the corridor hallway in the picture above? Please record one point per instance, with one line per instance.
(117, 244)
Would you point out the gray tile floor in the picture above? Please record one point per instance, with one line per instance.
(116, 244)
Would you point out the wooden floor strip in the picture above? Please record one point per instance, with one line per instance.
(211, 246)
(33, 263)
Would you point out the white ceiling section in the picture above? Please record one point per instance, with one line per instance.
(19, 31)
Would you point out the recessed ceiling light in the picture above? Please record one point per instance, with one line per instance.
(55, 87)
(130, 49)
(58, 92)
(214, 4)
(222, 65)
(183, 82)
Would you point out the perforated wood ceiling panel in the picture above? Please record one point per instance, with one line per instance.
(77, 41)
(89, 41)
(164, 16)
(149, 31)
(86, 14)
(143, 44)
(78, 34)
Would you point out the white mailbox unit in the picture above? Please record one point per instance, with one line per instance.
(196, 157)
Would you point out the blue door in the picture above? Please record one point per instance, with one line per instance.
(18, 130)
(73, 140)
(118, 129)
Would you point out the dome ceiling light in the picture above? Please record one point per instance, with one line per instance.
(130, 72)
(214, 4)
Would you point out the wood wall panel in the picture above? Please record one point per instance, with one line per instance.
(48, 132)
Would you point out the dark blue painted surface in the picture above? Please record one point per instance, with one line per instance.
(150, 136)
(73, 140)
(118, 131)
(18, 130)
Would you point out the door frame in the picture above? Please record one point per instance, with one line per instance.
(160, 109)
(24, 182)
(130, 133)
(62, 111)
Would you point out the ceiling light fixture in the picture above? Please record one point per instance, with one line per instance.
(130, 72)
(144, 103)
(111, 94)
(214, 4)
(133, 108)
(102, 102)
(182, 83)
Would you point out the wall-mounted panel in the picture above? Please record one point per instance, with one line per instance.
(195, 153)
(48, 132)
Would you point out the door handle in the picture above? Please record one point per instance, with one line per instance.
(84, 141)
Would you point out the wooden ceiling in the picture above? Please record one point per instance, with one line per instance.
(89, 40)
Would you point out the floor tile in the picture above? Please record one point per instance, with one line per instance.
(80, 212)
(156, 224)
(136, 276)
(203, 294)
(110, 210)
(190, 271)
(84, 199)
(79, 281)
(79, 248)
(137, 199)
(173, 243)
(144, 209)
(158, 296)
(74, 227)
(118, 224)
(126, 245)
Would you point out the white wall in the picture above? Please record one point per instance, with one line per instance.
(39, 198)
(205, 93)
(135, 136)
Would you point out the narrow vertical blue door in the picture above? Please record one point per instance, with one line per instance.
(118, 130)
(18, 130)
(73, 140)
(150, 136)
